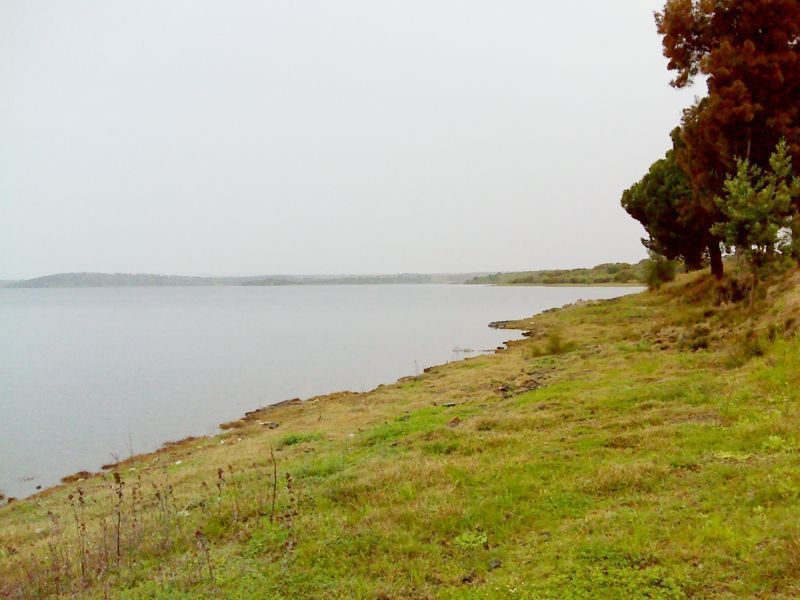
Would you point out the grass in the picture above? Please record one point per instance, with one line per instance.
(634, 448)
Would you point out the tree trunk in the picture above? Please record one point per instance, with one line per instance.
(715, 254)
(795, 229)
(692, 264)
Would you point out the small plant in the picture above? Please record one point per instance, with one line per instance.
(119, 490)
(776, 443)
(274, 485)
(78, 504)
(472, 540)
(203, 547)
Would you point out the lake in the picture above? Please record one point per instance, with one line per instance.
(88, 373)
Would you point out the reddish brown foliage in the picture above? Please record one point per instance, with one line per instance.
(749, 53)
(748, 50)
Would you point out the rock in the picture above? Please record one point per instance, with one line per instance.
(455, 422)
(292, 402)
(79, 476)
(449, 404)
(495, 563)
(269, 424)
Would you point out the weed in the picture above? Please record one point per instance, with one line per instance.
(472, 540)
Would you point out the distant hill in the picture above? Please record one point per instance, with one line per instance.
(120, 280)
(72, 280)
(604, 274)
(608, 273)
(363, 279)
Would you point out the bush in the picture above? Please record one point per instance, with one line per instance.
(659, 270)
(556, 343)
(624, 276)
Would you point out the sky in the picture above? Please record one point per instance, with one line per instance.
(244, 137)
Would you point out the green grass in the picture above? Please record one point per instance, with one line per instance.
(637, 466)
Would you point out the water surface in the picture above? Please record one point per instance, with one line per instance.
(85, 373)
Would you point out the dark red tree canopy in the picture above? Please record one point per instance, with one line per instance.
(748, 51)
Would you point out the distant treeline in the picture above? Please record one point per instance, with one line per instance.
(607, 273)
(72, 280)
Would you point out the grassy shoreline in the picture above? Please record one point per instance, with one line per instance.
(626, 448)
(638, 284)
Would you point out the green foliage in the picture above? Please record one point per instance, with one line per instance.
(664, 204)
(659, 270)
(292, 439)
(758, 207)
(471, 540)
(776, 443)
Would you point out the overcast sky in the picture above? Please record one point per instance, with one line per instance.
(238, 137)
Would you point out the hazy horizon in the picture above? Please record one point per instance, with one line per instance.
(332, 274)
(245, 138)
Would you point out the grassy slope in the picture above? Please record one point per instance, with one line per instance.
(604, 274)
(614, 463)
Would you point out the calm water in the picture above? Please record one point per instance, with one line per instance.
(83, 371)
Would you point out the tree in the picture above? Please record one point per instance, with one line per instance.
(695, 157)
(749, 52)
(759, 207)
(663, 203)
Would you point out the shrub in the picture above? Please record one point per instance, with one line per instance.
(556, 343)
(659, 270)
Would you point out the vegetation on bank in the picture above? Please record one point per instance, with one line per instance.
(605, 274)
(727, 183)
(640, 447)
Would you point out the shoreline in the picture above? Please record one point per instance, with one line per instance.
(256, 416)
(567, 285)
(100, 468)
